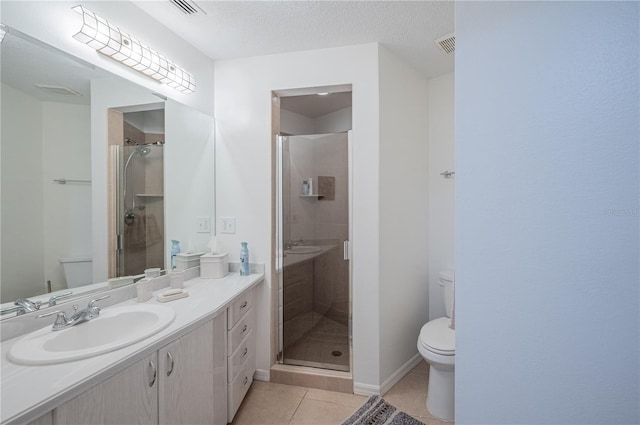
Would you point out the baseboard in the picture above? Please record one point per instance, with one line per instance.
(399, 374)
(262, 375)
(367, 389)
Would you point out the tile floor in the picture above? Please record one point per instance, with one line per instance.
(276, 404)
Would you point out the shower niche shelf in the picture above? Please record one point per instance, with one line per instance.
(313, 195)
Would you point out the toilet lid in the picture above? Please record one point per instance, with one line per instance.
(437, 336)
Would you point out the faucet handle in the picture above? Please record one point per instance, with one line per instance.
(58, 312)
(92, 303)
(54, 300)
(61, 319)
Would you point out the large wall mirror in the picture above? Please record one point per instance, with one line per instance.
(60, 152)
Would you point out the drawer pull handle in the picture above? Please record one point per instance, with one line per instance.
(244, 353)
(152, 369)
(246, 379)
(170, 363)
(244, 329)
(244, 304)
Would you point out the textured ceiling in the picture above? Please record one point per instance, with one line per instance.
(233, 29)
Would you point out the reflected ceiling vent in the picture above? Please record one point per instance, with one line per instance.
(61, 90)
(188, 7)
(446, 43)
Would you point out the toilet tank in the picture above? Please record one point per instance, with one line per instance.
(78, 271)
(446, 282)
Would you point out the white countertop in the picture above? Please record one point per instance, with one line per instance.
(28, 392)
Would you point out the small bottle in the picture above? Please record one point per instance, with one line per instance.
(244, 259)
(310, 184)
(175, 249)
(305, 188)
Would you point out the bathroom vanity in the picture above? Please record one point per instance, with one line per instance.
(196, 370)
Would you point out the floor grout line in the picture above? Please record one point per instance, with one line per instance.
(298, 406)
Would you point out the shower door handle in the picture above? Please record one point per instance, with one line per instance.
(346, 248)
(119, 242)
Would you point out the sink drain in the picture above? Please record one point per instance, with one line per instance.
(336, 353)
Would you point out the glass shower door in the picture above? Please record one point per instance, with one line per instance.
(312, 265)
(140, 208)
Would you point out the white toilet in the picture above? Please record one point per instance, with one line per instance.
(437, 345)
(78, 271)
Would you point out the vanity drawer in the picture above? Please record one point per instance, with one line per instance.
(240, 330)
(245, 352)
(239, 387)
(240, 307)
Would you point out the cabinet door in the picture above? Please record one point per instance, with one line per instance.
(188, 373)
(46, 419)
(129, 397)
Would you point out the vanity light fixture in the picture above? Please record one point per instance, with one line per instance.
(110, 41)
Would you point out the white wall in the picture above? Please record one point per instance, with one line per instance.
(54, 23)
(243, 172)
(441, 191)
(22, 195)
(188, 177)
(403, 265)
(66, 212)
(547, 212)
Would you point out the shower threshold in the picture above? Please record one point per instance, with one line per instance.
(318, 365)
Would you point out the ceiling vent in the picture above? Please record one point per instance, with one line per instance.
(188, 7)
(61, 90)
(446, 43)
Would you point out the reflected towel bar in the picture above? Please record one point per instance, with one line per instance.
(65, 181)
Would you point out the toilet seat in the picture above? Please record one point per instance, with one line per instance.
(437, 337)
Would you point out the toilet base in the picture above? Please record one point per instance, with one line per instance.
(441, 393)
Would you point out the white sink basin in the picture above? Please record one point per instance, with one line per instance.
(115, 328)
(303, 249)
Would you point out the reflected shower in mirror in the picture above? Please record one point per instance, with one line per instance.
(139, 195)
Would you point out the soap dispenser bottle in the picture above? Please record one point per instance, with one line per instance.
(244, 259)
(175, 249)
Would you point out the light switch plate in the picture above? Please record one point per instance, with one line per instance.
(204, 224)
(228, 225)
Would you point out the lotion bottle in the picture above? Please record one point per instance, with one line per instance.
(244, 259)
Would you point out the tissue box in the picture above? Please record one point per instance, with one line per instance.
(214, 266)
(187, 260)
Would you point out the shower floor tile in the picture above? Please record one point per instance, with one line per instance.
(325, 345)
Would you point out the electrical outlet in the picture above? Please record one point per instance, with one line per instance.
(204, 224)
(228, 225)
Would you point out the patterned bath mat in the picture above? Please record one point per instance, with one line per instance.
(376, 411)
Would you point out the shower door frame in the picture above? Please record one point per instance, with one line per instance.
(279, 246)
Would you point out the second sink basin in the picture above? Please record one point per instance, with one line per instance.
(115, 328)
(304, 249)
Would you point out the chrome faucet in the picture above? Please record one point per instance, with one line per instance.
(25, 305)
(54, 300)
(64, 322)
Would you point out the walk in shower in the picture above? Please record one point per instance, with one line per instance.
(312, 242)
(141, 224)
(138, 195)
